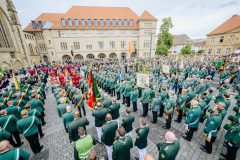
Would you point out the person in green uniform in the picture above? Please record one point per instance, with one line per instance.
(181, 100)
(75, 124)
(114, 110)
(141, 140)
(117, 89)
(203, 106)
(145, 99)
(122, 146)
(79, 103)
(99, 114)
(227, 100)
(68, 117)
(127, 93)
(106, 102)
(61, 108)
(233, 140)
(5, 135)
(156, 101)
(9, 123)
(127, 121)
(36, 103)
(28, 126)
(210, 130)
(133, 97)
(192, 120)
(84, 145)
(164, 97)
(168, 150)
(9, 153)
(15, 110)
(108, 134)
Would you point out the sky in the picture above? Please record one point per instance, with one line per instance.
(196, 18)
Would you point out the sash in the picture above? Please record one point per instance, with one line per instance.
(4, 99)
(80, 101)
(9, 94)
(16, 154)
(30, 125)
(20, 99)
(74, 95)
(5, 125)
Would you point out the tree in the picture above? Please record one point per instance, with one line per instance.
(200, 51)
(165, 38)
(187, 49)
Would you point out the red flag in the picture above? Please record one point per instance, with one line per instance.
(91, 98)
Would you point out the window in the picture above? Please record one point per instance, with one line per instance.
(125, 22)
(218, 51)
(64, 46)
(114, 22)
(83, 22)
(231, 38)
(112, 44)
(95, 22)
(123, 44)
(221, 39)
(76, 45)
(89, 46)
(100, 44)
(89, 22)
(49, 41)
(146, 44)
(108, 22)
(12, 55)
(42, 47)
(212, 39)
(210, 51)
(70, 22)
(63, 22)
(76, 22)
(227, 50)
(119, 22)
(102, 22)
(131, 22)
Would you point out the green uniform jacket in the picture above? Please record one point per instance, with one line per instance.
(156, 104)
(36, 104)
(21, 104)
(146, 96)
(181, 101)
(134, 95)
(68, 118)
(192, 117)
(62, 109)
(212, 123)
(127, 122)
(73, 128)
(99, 114)
(28, 125)
(109, 132)
(107, 103)
(199, 89)
(4, 135)
(208, 99)
(121, 148)
(141, 140)
(14, 110)
(9, 123)
(169, 104)
(233, 135)
(11, 154)
(114, 110)
(168, 151)
(190, 96)
(127, 91)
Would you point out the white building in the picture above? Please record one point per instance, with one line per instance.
(179, 41)
(87, 32)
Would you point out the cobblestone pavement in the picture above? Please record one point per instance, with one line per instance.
(57, 145)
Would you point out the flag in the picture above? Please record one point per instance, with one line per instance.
(1, 71)
(93, 92)
(15, 80)
(130, 47)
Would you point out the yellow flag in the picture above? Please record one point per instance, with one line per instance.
(130, 47)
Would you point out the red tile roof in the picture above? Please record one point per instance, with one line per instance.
(93, 12)
(228, 25)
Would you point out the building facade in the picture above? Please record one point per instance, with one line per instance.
(179, 41)
(88, 32)
(225, 39)
(13, 50)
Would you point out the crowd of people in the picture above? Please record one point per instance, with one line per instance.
(185, 93)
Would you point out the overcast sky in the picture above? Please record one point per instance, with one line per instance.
(195, 18)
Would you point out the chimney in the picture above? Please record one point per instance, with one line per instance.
(63, 21)
(34, 24)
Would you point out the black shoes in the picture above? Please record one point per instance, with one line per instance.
(185, 137)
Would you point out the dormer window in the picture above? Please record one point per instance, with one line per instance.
(102, 22)
(114, 22)
(83, 22)
(63, 22)
(70, 22)
(131, 22)
(108, 22)
(125, 22)
(119, 22)
(76, 22)
(40, 24)
(95, 22)
(34, 25)
(89, 22)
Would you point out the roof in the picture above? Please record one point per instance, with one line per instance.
(230, 24)
(199, 42)
(147, 16)
(181, 40)
(92, 12)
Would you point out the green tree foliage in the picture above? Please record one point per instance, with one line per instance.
(165, 38)
(187, 49)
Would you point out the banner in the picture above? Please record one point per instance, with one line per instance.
(142, 79)
(166, 69)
